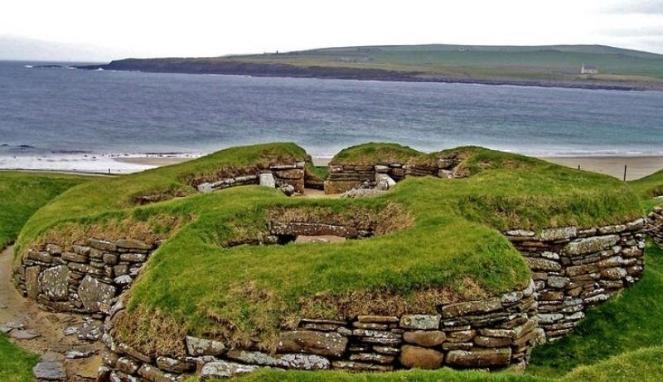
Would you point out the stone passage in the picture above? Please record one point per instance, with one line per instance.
(492, 333)
(345, 177)
(84, 278)
(287, 177)
(574, 268)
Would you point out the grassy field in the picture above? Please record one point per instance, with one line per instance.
(23, 194)
(15, 364)
(526, 61)
(452, 249)
(556, 64)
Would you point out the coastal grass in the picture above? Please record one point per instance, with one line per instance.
(23, 193)
(15, 363)
(543, 63)
(198, 283)
(650, 189)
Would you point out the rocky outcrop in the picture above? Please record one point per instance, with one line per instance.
(85, 278)
(575, 268)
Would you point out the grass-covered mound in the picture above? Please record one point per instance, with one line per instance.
(450, 250)
(23, 193)
(650, 189)
(372, 153)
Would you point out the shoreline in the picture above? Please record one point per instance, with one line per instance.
(360, 74)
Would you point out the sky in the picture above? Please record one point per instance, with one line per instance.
(146, 28)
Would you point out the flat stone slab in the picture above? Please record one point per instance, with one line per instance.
(49, 371)
(223, 369)
(23, 334)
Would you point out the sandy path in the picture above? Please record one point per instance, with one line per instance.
(50, 327)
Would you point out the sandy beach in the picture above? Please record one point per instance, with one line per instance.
(636, 166)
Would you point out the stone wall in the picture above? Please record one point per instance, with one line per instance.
(85, 278)
(575, 268)
(655, 225)
(492, 333)
(345, 177)
(278, 175)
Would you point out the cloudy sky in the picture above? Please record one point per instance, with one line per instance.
(146, 28)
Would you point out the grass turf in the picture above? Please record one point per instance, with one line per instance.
(23, 193)
(15, 363)
(199, 285)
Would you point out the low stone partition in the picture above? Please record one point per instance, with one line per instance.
(286, 176)
(492, 333)
(345, 177)
(84, 278)
(575, 268)
(655, 225)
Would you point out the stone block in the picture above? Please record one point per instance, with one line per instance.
(420, 358)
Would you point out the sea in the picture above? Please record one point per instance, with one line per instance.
(62, 118)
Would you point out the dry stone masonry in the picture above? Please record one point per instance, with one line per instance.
(85, 278)
(345, 177)
(575, 268)
(492, 333)
(655, 225)
(288, 177)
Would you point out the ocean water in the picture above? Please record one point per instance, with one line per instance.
(81, 120)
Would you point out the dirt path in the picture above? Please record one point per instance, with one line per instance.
(51, 343)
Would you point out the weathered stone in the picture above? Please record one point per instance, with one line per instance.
(370, 325)
(126, 349)
(200, 346)
(75, 257)
(360, 366)
(329, 344)
(554, 234)
(471, 307)
(120, 270)
(288, 361)
(425, 338)
(110, 258)
(102, 245)
(224, 369)
(386, 350)
(95, 295)
(53, 249)
(133, 244)
(267, 180)
(478, 358)
(384, 182)
(537, 264)
(511, 297)
(32, 282)
(375, 333)
(49, 371)
(550, 318)
(591, 244)
(127, 365)
(461, 335)
(420, 321)
(43, 257)
(520, 233)
(378, 319)
(123, 280)
(372, 358)
(421, 358)
(54, 282)
(501, 333)
(492, 342)
(153, 374)
(24, 334)
(174, 365)
(558, 282)
(581, 269)
(614, 273)
(133, 257)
